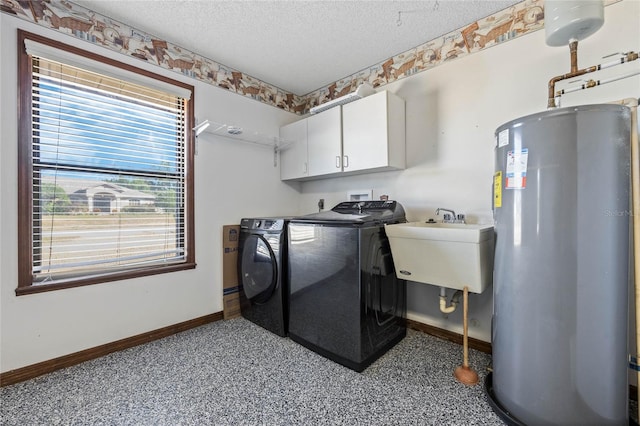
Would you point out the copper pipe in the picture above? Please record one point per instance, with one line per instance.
(552, 83)
(594, 83)
(573, 49)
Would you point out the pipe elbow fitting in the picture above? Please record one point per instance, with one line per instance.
(447, 309)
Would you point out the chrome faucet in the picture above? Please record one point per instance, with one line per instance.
(451, 216)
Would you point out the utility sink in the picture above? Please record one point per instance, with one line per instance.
(452, 255)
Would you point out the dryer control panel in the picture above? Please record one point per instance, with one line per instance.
(267, 224)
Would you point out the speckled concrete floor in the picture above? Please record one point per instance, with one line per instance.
(235, 373)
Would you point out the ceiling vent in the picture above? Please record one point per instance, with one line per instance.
(365, 89)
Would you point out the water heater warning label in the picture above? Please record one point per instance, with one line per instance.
(503, 138)
(517, 169)
(497, 190)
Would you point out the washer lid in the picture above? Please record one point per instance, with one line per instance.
(359, 212)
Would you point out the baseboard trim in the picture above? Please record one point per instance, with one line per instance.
(476, 344)
(31, 371)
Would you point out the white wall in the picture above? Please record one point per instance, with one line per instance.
(452, 113)
(232, 180)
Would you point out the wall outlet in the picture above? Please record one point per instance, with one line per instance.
(360, 195)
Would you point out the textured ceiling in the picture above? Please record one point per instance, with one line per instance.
(299, 46)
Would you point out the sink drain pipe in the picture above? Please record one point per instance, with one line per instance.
(443, 301)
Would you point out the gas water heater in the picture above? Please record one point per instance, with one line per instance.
(562, 214)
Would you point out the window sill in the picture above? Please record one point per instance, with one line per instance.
(118, 276)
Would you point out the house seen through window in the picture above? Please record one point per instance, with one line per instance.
(106, 182)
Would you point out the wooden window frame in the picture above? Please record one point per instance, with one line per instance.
(25, 178)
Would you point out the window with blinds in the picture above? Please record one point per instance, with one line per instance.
(108, 170)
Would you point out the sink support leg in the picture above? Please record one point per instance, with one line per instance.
(464, 374)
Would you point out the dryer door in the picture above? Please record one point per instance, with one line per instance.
(258, 268)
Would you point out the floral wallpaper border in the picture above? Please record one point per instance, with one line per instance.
(68, 18)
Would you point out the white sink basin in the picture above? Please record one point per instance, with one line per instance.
(450, 255)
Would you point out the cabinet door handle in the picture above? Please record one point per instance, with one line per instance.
(346, 161)
(304, 168)
(337, 161)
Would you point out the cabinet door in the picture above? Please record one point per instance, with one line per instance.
(373, 133)
(324, 142)
(293, 156)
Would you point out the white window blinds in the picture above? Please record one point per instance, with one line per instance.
(108, 164)
(40, 50)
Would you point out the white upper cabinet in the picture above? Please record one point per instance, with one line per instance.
(293, 158)
(366, 135)
(324, 142)
(373, 133)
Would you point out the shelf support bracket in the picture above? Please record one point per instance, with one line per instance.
(275, 154)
